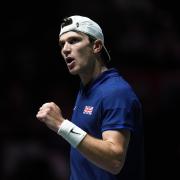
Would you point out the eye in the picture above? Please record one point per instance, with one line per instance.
(61, 44)
(74, 40)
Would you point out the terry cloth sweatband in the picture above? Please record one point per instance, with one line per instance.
(71, 133)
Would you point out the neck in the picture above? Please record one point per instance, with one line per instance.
(89, 76)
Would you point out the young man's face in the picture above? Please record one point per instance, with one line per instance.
(77, 52)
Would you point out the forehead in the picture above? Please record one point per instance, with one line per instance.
(72, 34)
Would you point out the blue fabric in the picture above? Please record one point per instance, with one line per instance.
(107, 103)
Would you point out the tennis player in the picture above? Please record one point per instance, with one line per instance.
(105, 131)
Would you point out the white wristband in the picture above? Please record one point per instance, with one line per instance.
(71, 133)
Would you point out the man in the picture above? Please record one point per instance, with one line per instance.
(107, 113)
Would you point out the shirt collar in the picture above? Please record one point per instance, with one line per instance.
(99, 79)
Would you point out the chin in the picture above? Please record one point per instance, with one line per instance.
(73, 71)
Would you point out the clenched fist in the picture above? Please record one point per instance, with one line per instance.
(51, 115)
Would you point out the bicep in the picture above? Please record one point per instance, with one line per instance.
(119, 140)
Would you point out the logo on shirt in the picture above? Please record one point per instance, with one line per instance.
(88, 110)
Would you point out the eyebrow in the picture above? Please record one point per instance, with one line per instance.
(70, 38)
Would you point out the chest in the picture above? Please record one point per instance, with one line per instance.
(87, 114)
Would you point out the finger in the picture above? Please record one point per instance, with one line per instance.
(48, 104)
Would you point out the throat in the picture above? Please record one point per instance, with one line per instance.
(88, 77)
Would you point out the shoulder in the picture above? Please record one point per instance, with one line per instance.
(118, 93)
(115, 87)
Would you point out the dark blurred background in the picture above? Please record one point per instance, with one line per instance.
(143, 37)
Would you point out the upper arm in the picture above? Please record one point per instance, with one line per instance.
(119, 140)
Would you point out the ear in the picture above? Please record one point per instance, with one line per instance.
(97, 46)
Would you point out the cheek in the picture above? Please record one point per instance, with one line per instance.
(84, 58)
(85, 52)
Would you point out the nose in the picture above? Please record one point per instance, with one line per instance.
(66, 49)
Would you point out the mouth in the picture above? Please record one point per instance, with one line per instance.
(70, 62)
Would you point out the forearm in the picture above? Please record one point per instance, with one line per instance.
(107, 153)
(102, 153)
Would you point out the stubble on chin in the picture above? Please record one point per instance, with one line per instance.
(73, 71)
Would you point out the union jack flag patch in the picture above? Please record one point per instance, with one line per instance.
(88, 110)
